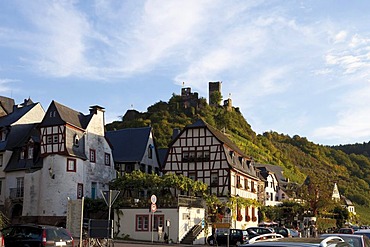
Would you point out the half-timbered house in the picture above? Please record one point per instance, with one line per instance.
(203, 153)
(77, 162)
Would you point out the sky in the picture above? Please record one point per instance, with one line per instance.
(293, 67)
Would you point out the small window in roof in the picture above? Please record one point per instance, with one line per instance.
(76, 140)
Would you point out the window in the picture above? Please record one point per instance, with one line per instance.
(49, 139)
(1, 160)
(107, 159)
(158, 221)
(150, 169)
(92, 155)
(76, 140)
(252, 186)
(150, 151)
(190, 156)
(1, 186)
(80, 191)
(129, 167)
(93, 190)
(55, 138)
(214, 179)
(246, 184)
(71, 165)
(142, 168)
(20, 187)
(30, 152)
(192, 176)
(142, 222)
(238, 183)
(23, 152)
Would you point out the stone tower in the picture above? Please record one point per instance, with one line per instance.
(214, 87)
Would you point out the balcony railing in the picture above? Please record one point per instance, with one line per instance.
(16, 193)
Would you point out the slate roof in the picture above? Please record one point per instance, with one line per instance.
(18, 137)
(17, 113)
(277, 170)
(162, 154)
(65, 115)
(129, 145)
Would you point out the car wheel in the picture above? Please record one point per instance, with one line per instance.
(238, 243)
(211, 242)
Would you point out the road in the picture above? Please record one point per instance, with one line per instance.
(119, 243)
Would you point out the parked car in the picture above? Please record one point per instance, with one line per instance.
(365, 232)
(263, 238)
(351, 239)
(347, 230)
(255, 231)
(32, 235)
(283, 231)
(326, 240)
(294, 233)
(237, 237)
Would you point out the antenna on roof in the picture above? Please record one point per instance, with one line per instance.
(132, 106)
(183, 84)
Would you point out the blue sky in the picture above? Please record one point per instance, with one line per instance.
(294, 67)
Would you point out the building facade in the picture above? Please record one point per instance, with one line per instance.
(203, 153)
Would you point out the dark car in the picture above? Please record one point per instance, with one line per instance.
(346, 230)
(32, 235)
(237, 237)
(255, 231)
(283, 231)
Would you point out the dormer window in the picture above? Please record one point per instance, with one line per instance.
(76, 140)
(241, 160)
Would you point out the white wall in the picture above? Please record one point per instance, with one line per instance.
(180, 223)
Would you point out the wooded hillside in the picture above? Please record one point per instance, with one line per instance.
(298, 156)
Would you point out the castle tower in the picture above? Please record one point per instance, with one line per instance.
(213, 87)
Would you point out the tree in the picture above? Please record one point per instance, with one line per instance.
(317, 193)
(215, 98)
(341, 215)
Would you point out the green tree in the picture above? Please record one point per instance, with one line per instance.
(215, 98)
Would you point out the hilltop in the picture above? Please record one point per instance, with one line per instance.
(298, 156)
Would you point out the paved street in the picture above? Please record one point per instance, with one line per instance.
(120, 243)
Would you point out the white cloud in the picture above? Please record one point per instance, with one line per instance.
(340, 37)
(4, 85)
(353, 117)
